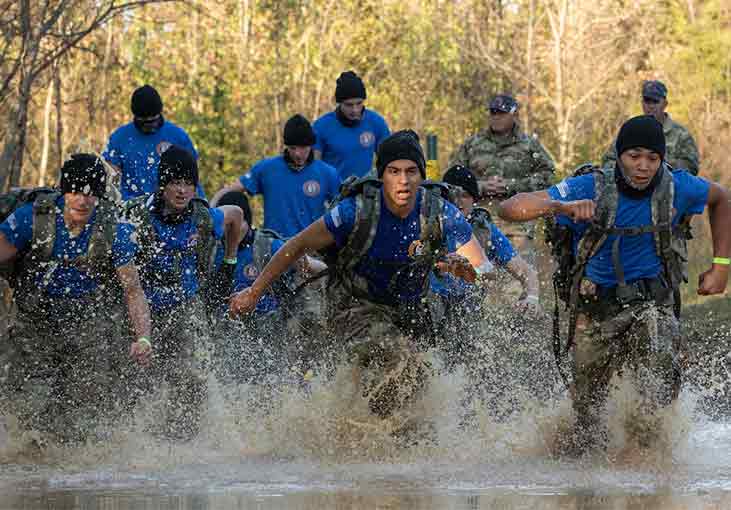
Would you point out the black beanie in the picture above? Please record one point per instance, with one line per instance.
(642, 131)
(461, 176)
(298, 131)
(176, 163)
(239, 199)
(146, 102)
(349, 86)
(402, 144)
(84, 173)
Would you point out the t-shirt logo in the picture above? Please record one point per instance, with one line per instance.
(193, 240)
(416, 249)
(251, 272)
(367, 138)
(162, 147)
(311, 188)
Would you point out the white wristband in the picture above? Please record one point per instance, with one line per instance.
(530, 298)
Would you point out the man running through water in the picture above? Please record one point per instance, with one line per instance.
(384, 240)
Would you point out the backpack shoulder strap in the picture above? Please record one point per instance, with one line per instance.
(367, 216)
(44, 225)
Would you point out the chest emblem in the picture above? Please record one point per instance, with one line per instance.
(162, 147)
(416, 249)
(367, 138)
(311, 188)
(251, 272)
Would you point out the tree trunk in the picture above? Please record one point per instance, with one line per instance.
(59, 117)
(46, 136)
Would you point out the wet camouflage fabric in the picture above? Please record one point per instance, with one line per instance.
(385, 352)
(181, 361)
(681, 150)
(57, 370)
(641, 340)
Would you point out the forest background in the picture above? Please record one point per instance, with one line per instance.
(231, 72)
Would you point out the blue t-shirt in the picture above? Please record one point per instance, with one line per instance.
(59, 279)
(389, 253)
(246, 272)
(292, 199)
(637, 253)
(138, 155)
(350, 149)
(170, 276)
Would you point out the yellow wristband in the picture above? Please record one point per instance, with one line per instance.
(722, 261)
(143, 340)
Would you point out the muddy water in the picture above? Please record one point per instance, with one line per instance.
(319, 450)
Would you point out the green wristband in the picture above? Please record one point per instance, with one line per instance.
(143, 340)
(232, 261)
(724, 261)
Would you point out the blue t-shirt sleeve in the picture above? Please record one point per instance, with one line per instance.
(252, 180)
(124, 248)
(113, 151)
(457, 230)
(340, 220)
(501, 249)
(276, 244)
(217, 215)
(573, 188)
(18, 227)
(383, 133)
(317, 127)
(691, 196)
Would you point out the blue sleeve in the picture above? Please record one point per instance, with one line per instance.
(124, 248)
(457, 230)
(692, 194)
(340, 220)
(199, 190)
(501, 250)
(187, 143)
(113, 152)
(18, 227)
(276, 244)
(251, 181)
(217, 215)
(384, 132)
(573, 188)
(335, 181)
(319, 135)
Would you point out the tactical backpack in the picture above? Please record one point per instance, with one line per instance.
(39, 256)
(669, 244)
(138, 212)
(367, 195)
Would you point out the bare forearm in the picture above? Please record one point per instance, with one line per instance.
(139, 312)
(525, 274)
(286, 256)
(719, 212)
(528, 206)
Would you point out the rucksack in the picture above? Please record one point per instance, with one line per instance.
(44, 231)
(367, 195)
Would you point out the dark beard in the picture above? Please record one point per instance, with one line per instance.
(149, 127)
(290, 162)
(345, 121)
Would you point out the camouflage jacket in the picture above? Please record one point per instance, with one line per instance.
(520, 159)
(681, 150)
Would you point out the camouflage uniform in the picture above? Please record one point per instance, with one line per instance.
(57, 370)
(642, 338)
(519, 159)
(681, 150)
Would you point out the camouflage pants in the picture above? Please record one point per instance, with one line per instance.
(180, 361)
(57, 370)
(384, 352)
(640, 340)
